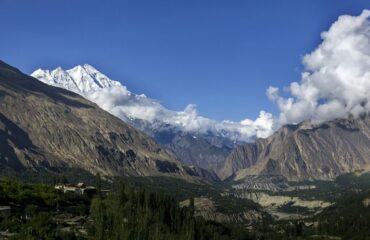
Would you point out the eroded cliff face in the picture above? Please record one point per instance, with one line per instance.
(47, 127)
(305, 151)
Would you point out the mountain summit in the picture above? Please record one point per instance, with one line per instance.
(80, 79)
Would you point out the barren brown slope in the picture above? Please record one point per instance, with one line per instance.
(305, 151)
(47, 127)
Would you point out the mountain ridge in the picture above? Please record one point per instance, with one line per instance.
(305, 151)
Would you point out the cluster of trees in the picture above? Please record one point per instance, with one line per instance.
(134, 213)
(24, 194)
(130, 212)
(349, 218)
(33, 207)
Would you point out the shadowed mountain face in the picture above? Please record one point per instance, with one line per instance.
(196, 149)
(305, 151)
(47, 127)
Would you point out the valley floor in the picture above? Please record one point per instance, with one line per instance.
(169, 208)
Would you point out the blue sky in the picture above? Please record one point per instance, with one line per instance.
(220, 55)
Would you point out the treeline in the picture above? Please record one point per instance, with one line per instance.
(349, 218)
(23, 194)
(135, 213)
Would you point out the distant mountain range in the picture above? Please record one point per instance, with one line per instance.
(297, 152)
(206, 149)
(47, 128)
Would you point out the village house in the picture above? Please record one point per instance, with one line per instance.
(80, 188)
(5, 211)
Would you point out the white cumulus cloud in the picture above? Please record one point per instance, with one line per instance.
(336, 80)
(335, 83)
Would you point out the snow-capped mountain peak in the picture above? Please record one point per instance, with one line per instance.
(81, 79)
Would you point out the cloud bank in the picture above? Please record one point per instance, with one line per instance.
(122, 103)
(336, 80)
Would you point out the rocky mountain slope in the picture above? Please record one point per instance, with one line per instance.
(305, 151)
(196, 149)
(243, 156)
(44, 127)
(206, 150)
